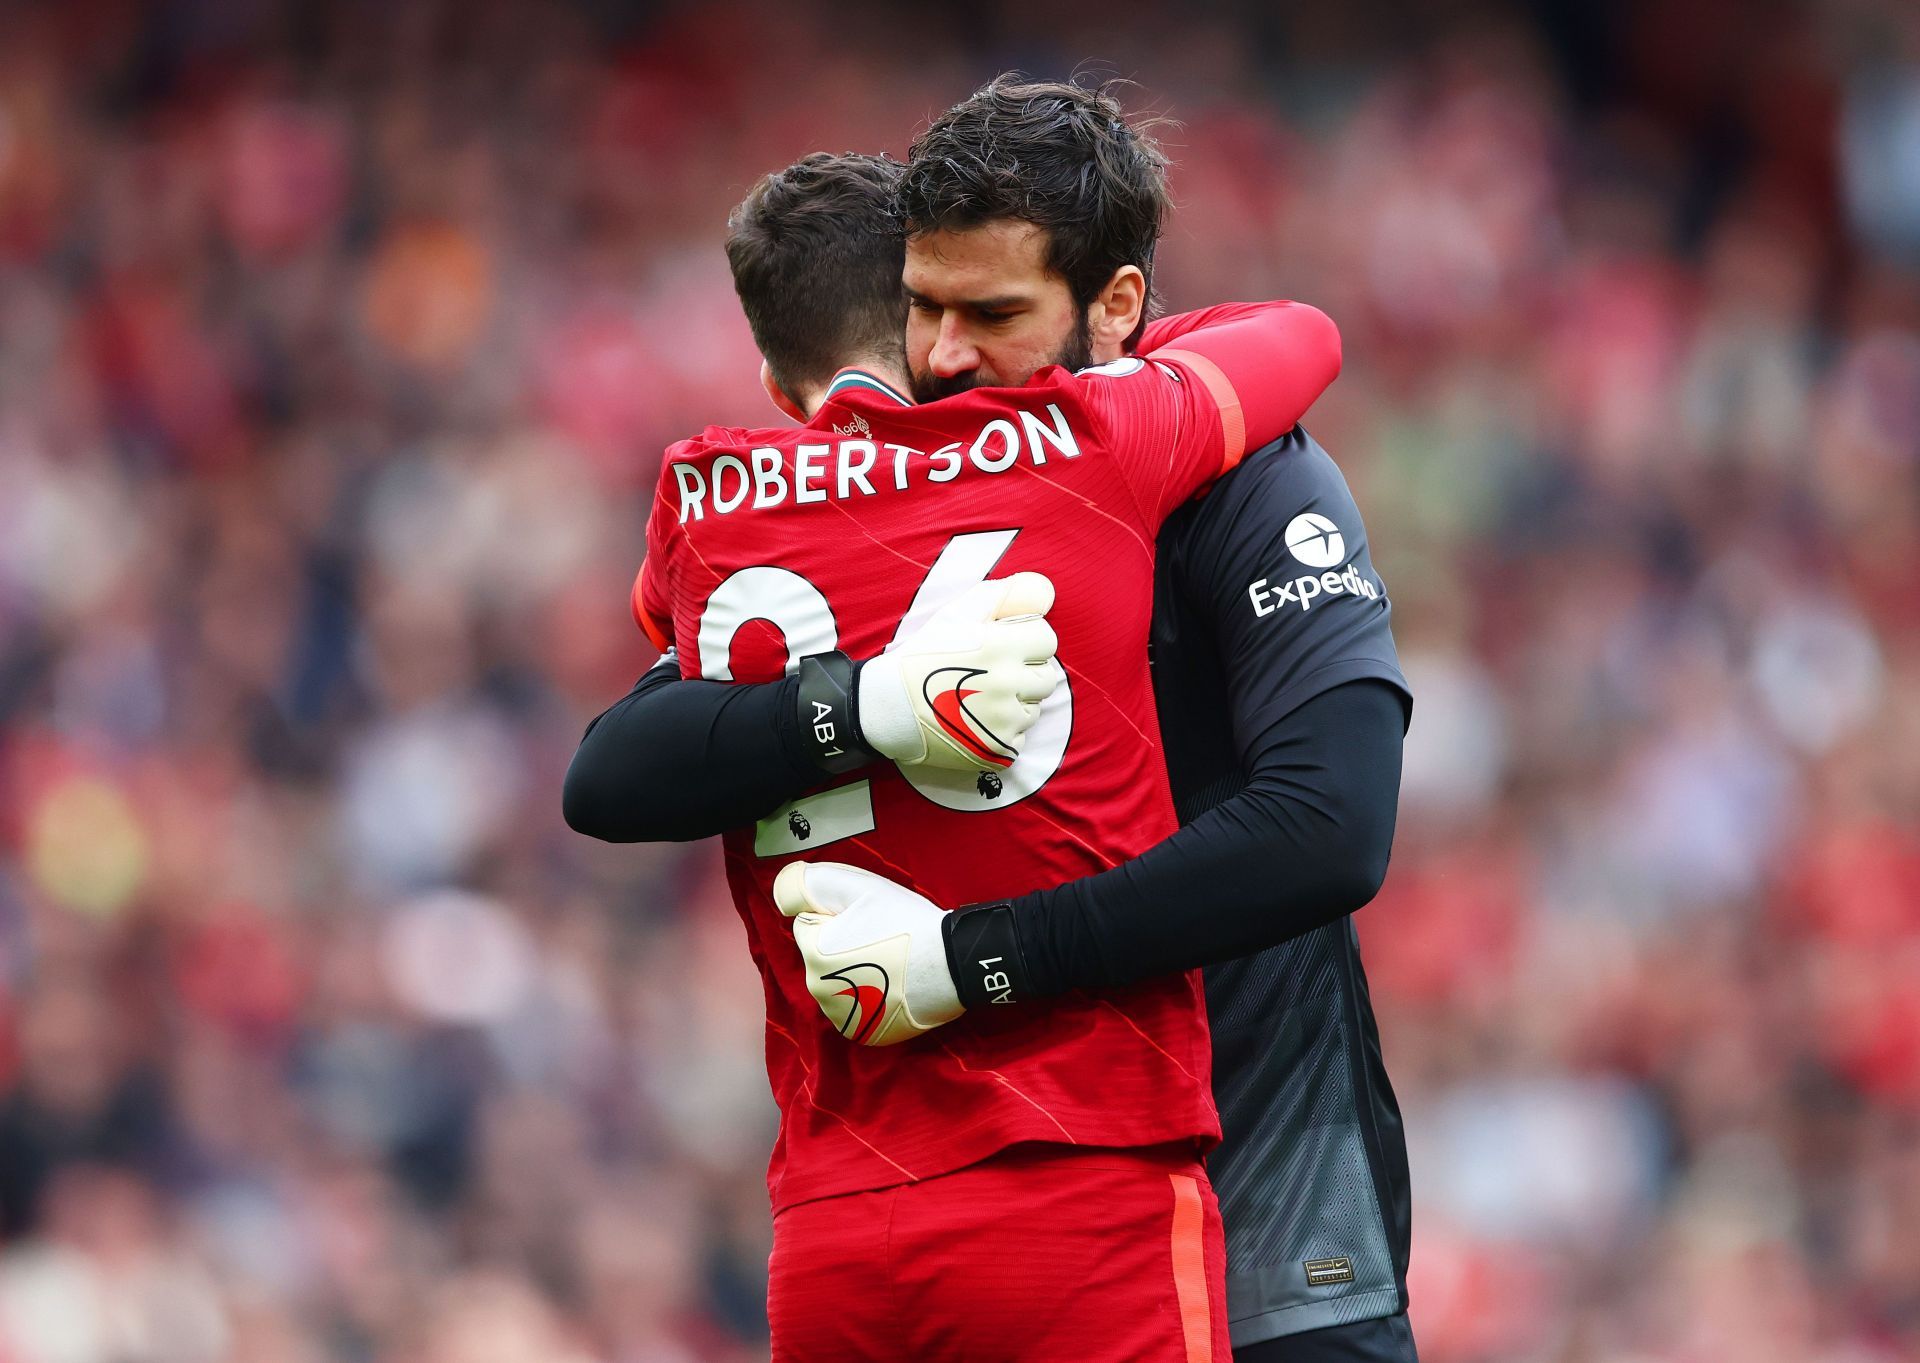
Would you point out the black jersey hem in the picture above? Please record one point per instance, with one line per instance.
(1301, 1317)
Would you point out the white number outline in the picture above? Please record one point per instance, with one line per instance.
(801, 612)
(966, 560)
(779, 596)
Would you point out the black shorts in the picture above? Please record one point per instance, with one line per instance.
(1389, 1340)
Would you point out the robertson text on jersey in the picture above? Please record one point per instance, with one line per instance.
(843, 469)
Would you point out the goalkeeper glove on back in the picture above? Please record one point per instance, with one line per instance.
(959, 692)
(886, 963)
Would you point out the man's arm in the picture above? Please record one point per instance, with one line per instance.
(1318, 709)
(1304, 843)
(1236, 377)
(1286, 626)
(1169, 329)
(678, 759)
(1265, 363)
(682, 759)
(1293, 635)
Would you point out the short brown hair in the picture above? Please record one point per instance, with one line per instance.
(1058, 155)
(816, 252)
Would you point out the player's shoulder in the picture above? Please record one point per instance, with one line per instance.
(694, 446)
(1294, 470)
(1126, 367)
(1128, 370)
(1112, 396)
(1251, 509)
(722, 438)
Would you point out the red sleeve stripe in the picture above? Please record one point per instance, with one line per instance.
(1233, 425)
(648, 626)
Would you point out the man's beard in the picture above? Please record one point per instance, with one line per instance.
(1076, 352)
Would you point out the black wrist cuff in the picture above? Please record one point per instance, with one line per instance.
(983, 952)
(829, 713)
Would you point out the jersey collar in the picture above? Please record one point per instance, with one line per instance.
(849, 382)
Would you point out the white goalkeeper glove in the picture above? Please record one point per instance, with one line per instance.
(875, 951)
(961, 691)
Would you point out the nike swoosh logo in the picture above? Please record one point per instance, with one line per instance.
(867, 1001)
(948, 707)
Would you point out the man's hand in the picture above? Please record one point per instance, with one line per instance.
(962, 690)
(875, 951)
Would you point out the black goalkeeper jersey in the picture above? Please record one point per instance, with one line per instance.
(1268, 580)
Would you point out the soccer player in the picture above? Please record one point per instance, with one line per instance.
(1077, 1128)
(1282, 710)
(1282, 707)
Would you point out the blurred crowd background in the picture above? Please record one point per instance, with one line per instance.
(337, 346)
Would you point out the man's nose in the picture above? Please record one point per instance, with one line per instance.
(953, 350)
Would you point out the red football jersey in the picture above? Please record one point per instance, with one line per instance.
(768, 545)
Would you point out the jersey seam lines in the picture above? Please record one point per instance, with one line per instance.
(1013, 1088)
(1107, 427)
(806, 1091)
(1121, 1014)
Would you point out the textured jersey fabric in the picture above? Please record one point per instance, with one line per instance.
(1299, 839)
(1313, 1166)
(678, 758)
(1266, 595)
(768, 545)
(1038, 1254)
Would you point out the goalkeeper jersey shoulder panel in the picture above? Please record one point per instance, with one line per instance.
(1275, 567)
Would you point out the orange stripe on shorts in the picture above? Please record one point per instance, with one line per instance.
(1190, 1268)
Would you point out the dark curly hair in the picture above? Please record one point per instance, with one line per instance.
(1056, 154)
(816, 252)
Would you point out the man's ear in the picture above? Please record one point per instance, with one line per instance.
(788, 407)
(1115, 313)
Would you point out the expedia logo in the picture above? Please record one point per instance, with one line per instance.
(1317, 542)
(1304, 591)
(947, 693)
(866, 988)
